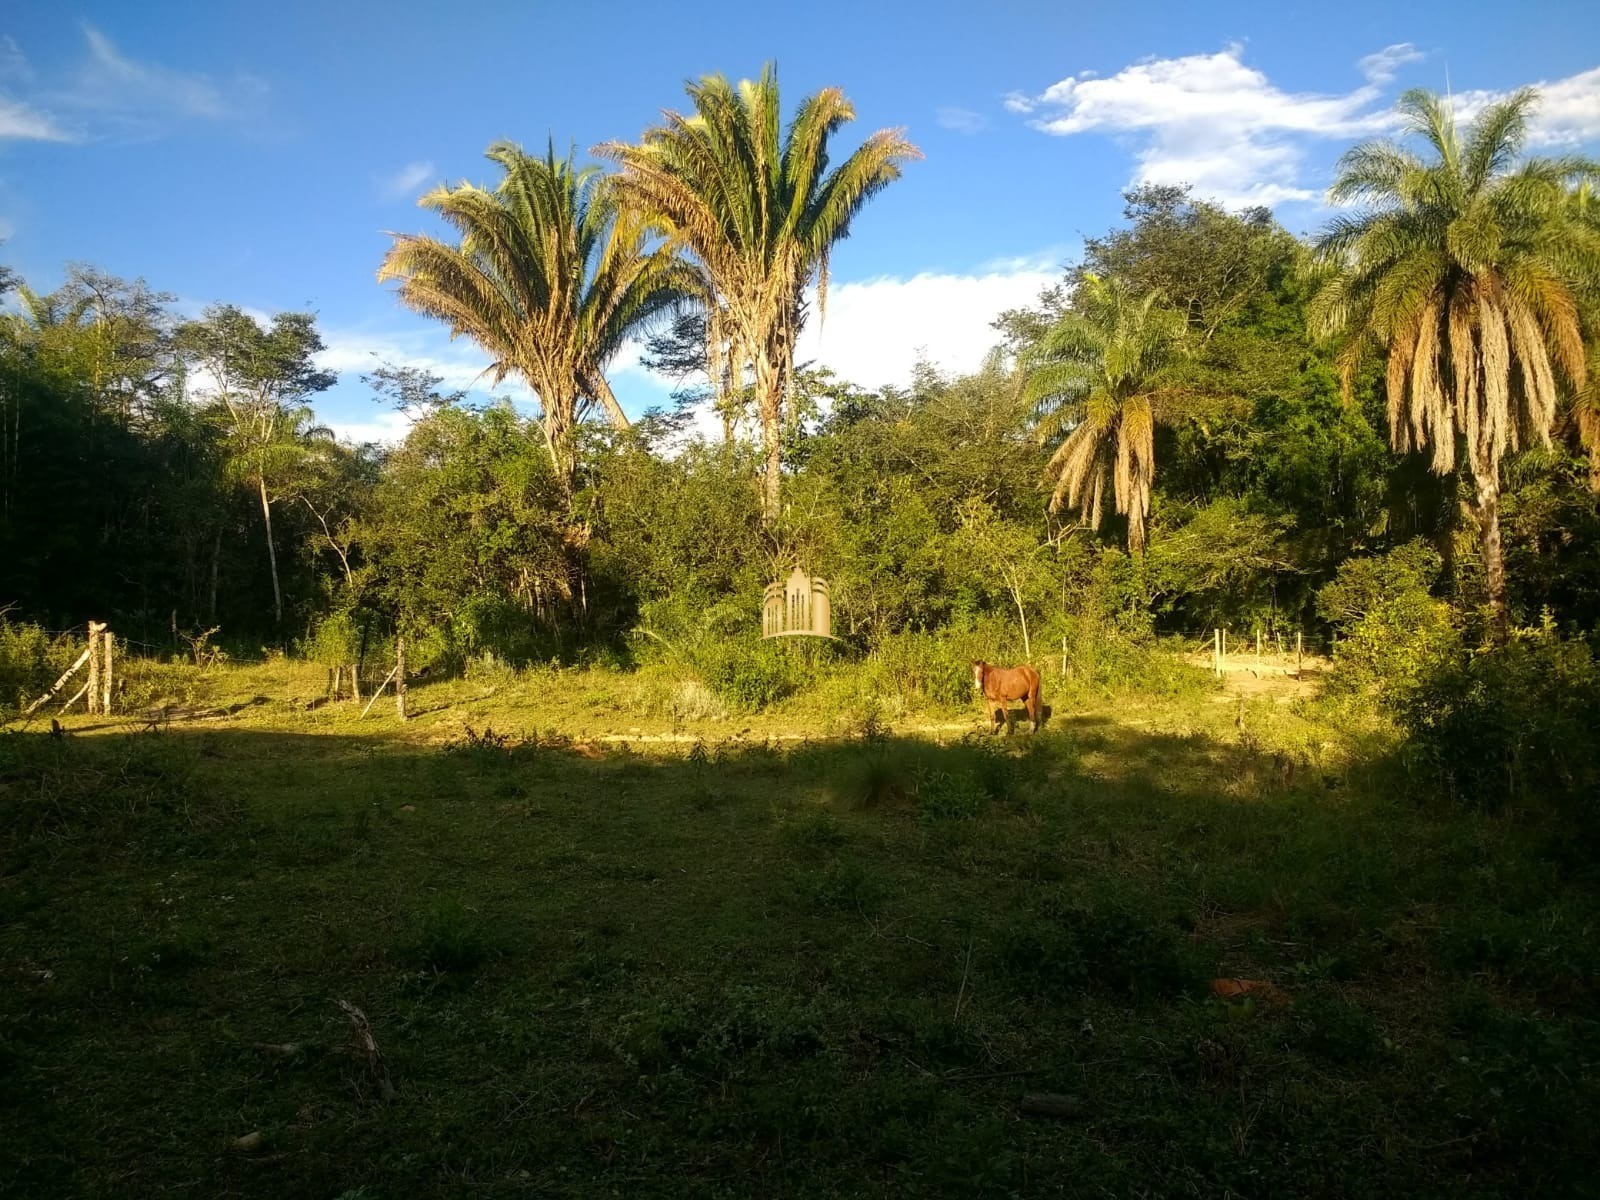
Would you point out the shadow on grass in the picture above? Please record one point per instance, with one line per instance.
(799, 966)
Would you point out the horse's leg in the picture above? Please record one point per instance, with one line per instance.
(1035, 705)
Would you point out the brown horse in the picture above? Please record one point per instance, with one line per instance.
(999, 685)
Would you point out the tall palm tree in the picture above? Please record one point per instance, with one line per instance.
(1462, 267)
(1094, 376)
(756, 207)
(549, 278)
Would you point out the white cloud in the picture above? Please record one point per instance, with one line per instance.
(19, 121)
(961, 120)
(1214, 122)
(112, 93)
(403, 184)
(387, 428)
(112, 80)
(459, 364)
(877, 329)
(1381, 66)
(1568, 113)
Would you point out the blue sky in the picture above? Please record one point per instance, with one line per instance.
(257, 153)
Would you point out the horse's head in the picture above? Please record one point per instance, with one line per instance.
(978, 668)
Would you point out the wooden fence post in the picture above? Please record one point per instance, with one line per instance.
(400, 676)
(108, 643)
(1299, 667)
(96, 628)
(1216, 652)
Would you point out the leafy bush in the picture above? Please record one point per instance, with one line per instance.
(498, 627)
(1516, 725)
(748, 675)
(920, 665)
(1395, 633)
(335, 642)
(945, 782)
(1334, 1030)
(30, 661)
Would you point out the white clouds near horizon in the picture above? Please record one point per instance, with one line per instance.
(877, 329)
(1223, 126)
(875, 332)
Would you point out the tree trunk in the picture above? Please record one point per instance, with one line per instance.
(769, 395)
(1136, 531)
(1487, 481)
(272, 552)
(216, 558)
(1022, 615)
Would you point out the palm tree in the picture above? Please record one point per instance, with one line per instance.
(1462, 268)
(549, 278)
(757, 208)
(1094, 376)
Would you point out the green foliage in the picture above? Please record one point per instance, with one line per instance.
(1395, 635)
(1512, 726)
(749, 675)
(336, 640)
(447, 937)
(951, 784)
(1335, 1030)
(30, 661)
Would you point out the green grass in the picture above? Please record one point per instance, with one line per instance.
(723, 965)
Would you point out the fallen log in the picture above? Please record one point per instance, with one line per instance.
(58, 684)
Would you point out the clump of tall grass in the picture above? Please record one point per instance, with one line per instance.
(942, 782)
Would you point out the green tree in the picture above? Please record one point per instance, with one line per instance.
(257, 380)
(468, 513)
(1095, 377)
(755, 205)
(549, 278)
(1462, 269)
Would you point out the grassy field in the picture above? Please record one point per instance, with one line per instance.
(810, 953)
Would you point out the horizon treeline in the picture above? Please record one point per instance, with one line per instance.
(1200, 424)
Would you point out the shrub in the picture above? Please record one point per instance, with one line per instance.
(1515, 725)
(920, 665)
(30, 661)
(748, 675)
(1396, 634)
(493, 625)
(335, 642)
